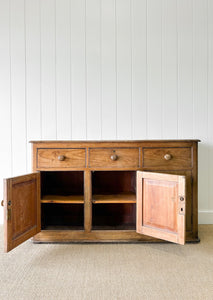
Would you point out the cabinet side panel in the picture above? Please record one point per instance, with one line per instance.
(195, 191)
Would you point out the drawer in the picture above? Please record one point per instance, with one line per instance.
(61, 158)
(167, 158)
(114, 157)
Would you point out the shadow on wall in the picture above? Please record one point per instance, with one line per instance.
(205, 182)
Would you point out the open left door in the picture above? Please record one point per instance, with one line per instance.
(161, 206)
(21, 209)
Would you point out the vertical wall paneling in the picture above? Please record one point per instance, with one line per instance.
(48, 70)
(63, 97)
(209, 142)
(154, 68)
(93, 68)
(33, 71)
(139, 70)
(5, 100)
(185, 68)
(108, 69)
(78, 69)
(169, 69)
(200, 68)
(18, 92)
(124, 69)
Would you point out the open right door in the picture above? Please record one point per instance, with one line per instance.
(161, 206)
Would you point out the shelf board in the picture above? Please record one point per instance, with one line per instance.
(73, 199)
(114, 198)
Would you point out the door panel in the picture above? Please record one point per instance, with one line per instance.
(161, 206)
(188, 191)
(21, 209)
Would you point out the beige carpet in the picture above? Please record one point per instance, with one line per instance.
(109, 271)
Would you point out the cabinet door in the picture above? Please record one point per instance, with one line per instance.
(161, 206)
(21, 209)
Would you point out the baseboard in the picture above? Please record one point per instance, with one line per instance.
(205, 217)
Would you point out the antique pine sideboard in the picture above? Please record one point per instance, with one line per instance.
(105, 191)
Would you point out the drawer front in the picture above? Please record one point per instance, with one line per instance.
(61, 158)
(114, 157)
(167, 158)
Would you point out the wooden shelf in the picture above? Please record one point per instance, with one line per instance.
(74, 199)
(115, 198)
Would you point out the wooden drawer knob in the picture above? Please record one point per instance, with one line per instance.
(114, 157)
(61, 157)
(2, 202)
(167, 156)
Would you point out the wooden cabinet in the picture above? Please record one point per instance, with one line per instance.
(97, 191)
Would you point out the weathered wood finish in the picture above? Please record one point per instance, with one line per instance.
(167, 158)
(21, 209)
(52, 236)
(73, 199)
(90, 156)
(60, 158)
(115, 198)
(178, 164)
(87, 201)
(114, 158)
(161, 206)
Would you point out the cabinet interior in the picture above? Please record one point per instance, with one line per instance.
(118, 216)
(114, 200)
(120, 185)
(62, 185)
(62, 216)
(62, 200)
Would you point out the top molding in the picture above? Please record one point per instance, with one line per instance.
(114, 141)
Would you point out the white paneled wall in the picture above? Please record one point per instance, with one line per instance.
(106, 69)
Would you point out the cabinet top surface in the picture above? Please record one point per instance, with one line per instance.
(115, 141)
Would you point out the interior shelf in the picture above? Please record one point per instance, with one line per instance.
(64, 215)
(114, 198)
(73, 199)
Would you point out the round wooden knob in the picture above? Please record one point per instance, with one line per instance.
(167, 156)
(2, 202)
(114, 157)
(61, 157)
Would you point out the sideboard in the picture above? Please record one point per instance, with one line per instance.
(105, 191)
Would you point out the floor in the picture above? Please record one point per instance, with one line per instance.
(108, 271)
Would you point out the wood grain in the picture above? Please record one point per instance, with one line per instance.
(21, 209)
(125, 157)
(49, 158)
(48, 236)
(87, 201)
(107, 193)
(73, 199)
(116, 198)
(162, 213)
(181, 158)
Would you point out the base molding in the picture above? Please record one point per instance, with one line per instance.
(205, 217)
(99, 236)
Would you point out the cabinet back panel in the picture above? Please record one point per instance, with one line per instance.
(113, 182)
(122, 216)
(62, 183)
(62, 215)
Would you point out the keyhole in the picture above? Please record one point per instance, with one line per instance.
(181, 209)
